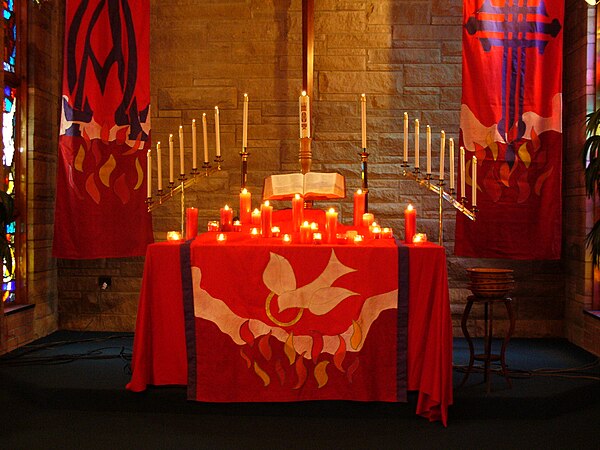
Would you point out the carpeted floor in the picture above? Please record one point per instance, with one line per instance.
(68, 391)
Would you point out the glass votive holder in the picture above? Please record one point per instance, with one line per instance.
(419, 238)
(351, 234)
(314, 226)
(255, 232)
(317, 238)
(173, 236)
(221, 238)
(237, 226)
(341, 238)
(213, 225)
(358, 239)
(387, 233)
(375, 232)
(287, 239)
(275, 231)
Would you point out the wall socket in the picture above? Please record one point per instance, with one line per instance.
(104, 282)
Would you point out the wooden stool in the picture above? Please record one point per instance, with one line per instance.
(487, 357)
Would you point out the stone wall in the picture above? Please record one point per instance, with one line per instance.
(405, 55)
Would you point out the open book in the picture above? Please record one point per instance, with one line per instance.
(312, 185)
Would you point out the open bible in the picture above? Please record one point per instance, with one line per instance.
(312, 186)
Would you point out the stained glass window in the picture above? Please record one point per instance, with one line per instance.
(10, 35)
(8, 161)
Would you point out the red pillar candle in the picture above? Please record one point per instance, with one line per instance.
(266, 219)
(367, 219)
(331, 226)
(297, 211)
(191, 223)
(256, 218)
(410, 224)
(305, 233)
(359, 207)
(226, 218)
(245, 207)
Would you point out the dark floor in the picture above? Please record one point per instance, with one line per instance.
(68, 391)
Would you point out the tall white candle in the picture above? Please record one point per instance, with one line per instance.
(428, 150)
(405, 137)
(181, 153)
(170, 158)
(363, 120)
(462, 172)
(451, 150)
(159, 164)
(474, 179)
(304, 102)
(217, 133)
(416, 143)
(245, 123)
(205, 136)
(149, 173)
(442, 153)
(194, 145)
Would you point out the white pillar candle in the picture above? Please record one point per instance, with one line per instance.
(451, 150)
(205, 137)
(159, 164)
(194, 146)
(170, 158)
(428, 150)
(217, 133)
(474, 180)
(363, 120)
(149, 173)
(181, 153)
(442, 153)
(405, 137)
(416, 143)
(304, 102)
(462, 172)
(245, 123)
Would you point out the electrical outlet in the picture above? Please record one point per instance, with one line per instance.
(104, 282)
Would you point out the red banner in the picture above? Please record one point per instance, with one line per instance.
(511, 120)
(105, 131)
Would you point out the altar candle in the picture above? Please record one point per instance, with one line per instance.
(256, 217)
(170, 159)
(217, 133)
(451, 150)
(367, 219)
(191, 223)
(410, 224)
(405, 137)
(194, 146)
(462, 172)
(359, 207)
(226, 218)
(305, 233)
(149, 173)
(237, 226)
(474, 180)
(181, 153)
(428, 150)
(245, 207)
(304, 102)
(245, 123)
(205, 137)
(331, 217)
(442, 153)
(297, 211)
(266, 219)
(416, 143)
(159, 164)
(363, 120)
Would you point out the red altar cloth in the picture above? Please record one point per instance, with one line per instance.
(160, 355)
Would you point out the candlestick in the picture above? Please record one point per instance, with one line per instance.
(416, 143)
(217, 133)
(428, 150)
(170, 159)
(462, 172)
(245, 123)
(226, 218)
(205, 137)
(304, 115)
(363, 119)
(194, 145)
(410, 223)
(451, 150)
(266, 219)
(245, 207)
(181, 153)
(474, 180)
(297, 211)
(159, 166)
(442, 153)
(149, 173)
(191, 223)
(331, 225)
(359, 207)
(405, 160)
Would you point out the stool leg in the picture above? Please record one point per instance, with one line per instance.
(511, 317)
(488, 344)
(465, 330)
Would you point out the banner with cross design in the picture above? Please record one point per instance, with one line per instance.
(511, 120)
